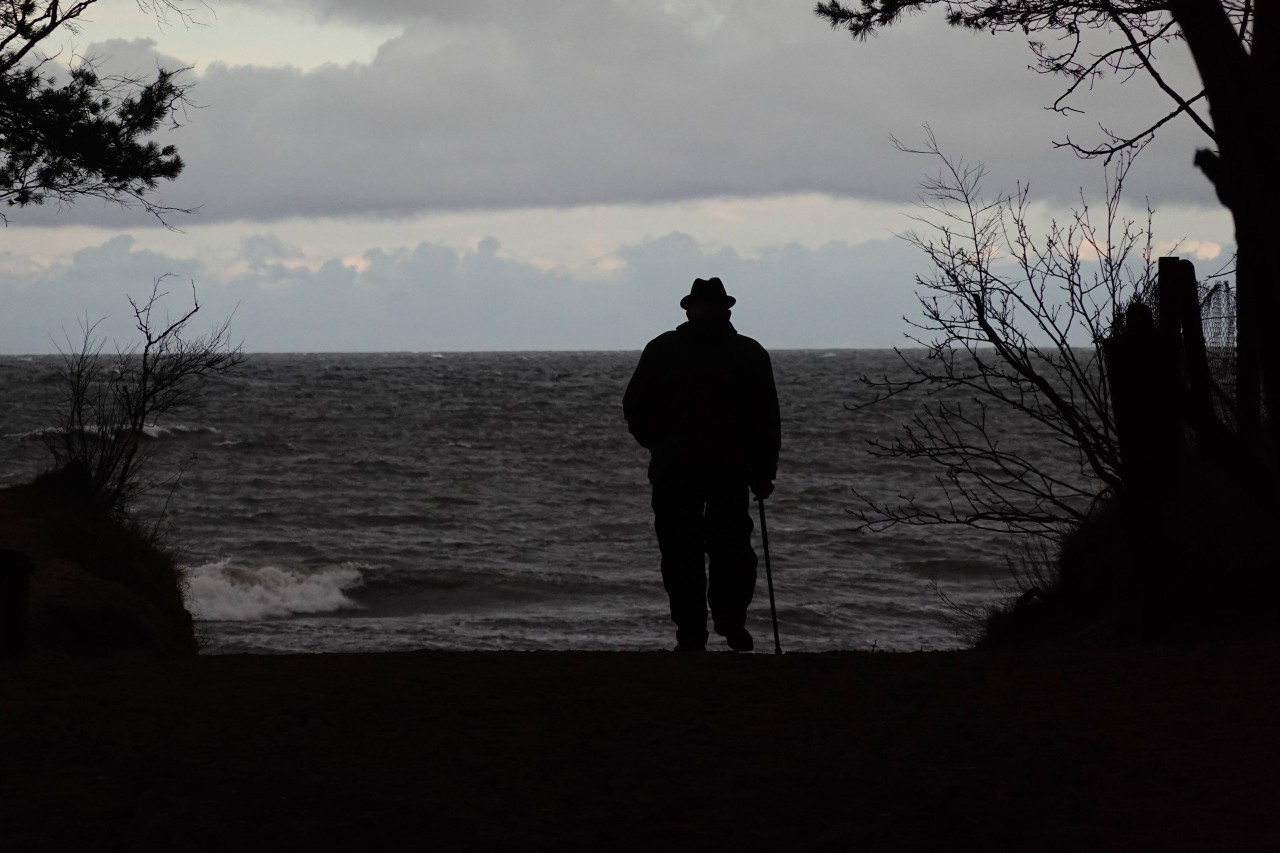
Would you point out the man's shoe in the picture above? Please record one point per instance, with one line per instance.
(689, 649)
(739, 640)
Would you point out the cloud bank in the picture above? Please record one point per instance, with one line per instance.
(486, 106)
(431, 297)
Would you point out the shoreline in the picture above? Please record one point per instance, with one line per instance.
(1165, 747)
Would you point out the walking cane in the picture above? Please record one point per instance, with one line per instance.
(768, 574)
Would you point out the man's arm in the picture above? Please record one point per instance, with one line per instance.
(638, 401)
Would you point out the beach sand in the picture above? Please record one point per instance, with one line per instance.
(1169, 748)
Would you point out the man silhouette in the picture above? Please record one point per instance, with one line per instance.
(702, 401)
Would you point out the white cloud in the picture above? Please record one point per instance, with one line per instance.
(236, 34)
(1199, 250)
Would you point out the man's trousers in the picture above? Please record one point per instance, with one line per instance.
(703, 516)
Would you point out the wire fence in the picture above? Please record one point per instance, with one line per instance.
(1218, 320)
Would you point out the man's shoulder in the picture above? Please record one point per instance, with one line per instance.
(750, 345)
(666, 339)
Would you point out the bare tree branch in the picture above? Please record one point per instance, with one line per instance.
(1010, 323)
(109, 403)
(1122, 39)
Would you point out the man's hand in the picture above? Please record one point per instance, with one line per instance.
(762, 489)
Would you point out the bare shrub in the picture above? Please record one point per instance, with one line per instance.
(1015, 322)
(110, 398)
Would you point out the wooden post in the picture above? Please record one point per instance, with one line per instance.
(1193, 348)
(1168, 295)
(1165, 383)
(1148, 385)
(1181, 321)
(1130, 363)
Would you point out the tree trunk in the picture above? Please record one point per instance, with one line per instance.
(1239, 88)
(1265, 62)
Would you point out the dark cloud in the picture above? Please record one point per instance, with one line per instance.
(485, 106)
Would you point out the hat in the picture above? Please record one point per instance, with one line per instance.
(707, 290)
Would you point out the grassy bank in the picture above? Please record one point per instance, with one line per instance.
(101, 582)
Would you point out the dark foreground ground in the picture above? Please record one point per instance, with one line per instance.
(1175, 748)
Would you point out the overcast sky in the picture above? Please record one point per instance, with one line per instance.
(475, 175)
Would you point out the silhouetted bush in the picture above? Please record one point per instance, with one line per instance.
(105, 579)
(1196, 562)
(72, 527)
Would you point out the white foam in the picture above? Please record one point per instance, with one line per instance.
(40, 433)
(155, 431)
(224, 591)
(152, 431)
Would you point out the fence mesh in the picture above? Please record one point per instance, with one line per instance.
(1218, 320)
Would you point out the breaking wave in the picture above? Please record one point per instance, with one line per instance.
(178, 430)
(224, 592)
(151, 431)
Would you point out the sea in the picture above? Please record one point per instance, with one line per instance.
(336, 502)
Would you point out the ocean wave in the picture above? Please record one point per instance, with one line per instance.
(546, 513)
(226, 592)
(151, 431)
(179, 430)
(33, 435)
